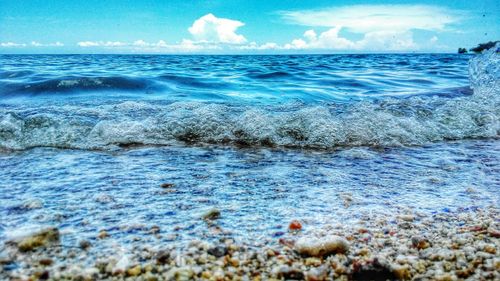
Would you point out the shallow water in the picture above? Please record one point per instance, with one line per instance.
(86, 141)
(257, 190)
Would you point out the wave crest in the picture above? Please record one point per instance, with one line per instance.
(387, 122)
(76, 84)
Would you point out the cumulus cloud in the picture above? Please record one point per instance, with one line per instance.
(384, 27)
(369, 18)
(208, 33)
(210, 28)
(330, 40)
(381, 27)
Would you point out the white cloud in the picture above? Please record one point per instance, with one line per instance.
(370, 18)
(185, 45)
(140, 43)
(209, 28)
(12, 45)
(255, 46)
(38, 44)
(384, 27)
(434, 39)
(88, 44)
(32, 44)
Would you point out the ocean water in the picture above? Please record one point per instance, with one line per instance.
(87, 140)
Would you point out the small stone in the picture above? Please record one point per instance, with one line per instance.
(41, 275)
(312, 261)
(103, 234)
(420, 242)
(149, 277)
(464, 273)
(134, 271)
(270, 253)
(167, 185)
(46, 261)
(163, 257)
(154, 229)
(290, 273)
(84, 244)
(443, 277)
(40, 239)
(407, 218)
(295, 225)
(183, 274)
(218, 251)
(32, 204)
(206, 275)
(318, 247)
(234, 262)
(372, 270)
(317, 274)
(490, 249)
(402, 272)
(212, 214)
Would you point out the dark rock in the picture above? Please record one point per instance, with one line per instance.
(372, 271)
(290, 273)
(217, 251)
(212, 214)
(484, 46)
(167, 185)
(154, 229)
(43, 275)
(84, 244)
(46, 261)
(163, 257)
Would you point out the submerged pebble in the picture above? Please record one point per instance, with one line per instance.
(42, 238)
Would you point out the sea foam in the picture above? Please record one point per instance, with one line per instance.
(383, 122)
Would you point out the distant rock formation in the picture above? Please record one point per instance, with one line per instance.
(462, 50)
(483, 46)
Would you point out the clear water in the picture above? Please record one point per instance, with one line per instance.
(86, 141)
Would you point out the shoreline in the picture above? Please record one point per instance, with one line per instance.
(444, 246)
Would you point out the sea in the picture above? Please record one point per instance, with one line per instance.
(88, 141)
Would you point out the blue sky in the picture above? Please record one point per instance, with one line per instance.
(243, 26)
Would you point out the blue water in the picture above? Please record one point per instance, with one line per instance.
(234, 79)
(87, 140)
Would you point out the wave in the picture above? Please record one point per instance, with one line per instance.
(78, 84)
(385, 122)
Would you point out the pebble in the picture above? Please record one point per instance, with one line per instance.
(39, 239)
(103, 234)
(295, 225)
(134, 271)
(167, 185)
(212, 214)
(461, 248)
(324, 246)
(84, 244)
(218, 251)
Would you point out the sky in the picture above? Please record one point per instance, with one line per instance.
(245, 26)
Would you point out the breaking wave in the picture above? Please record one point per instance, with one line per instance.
(384, 122)
(77, 84)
